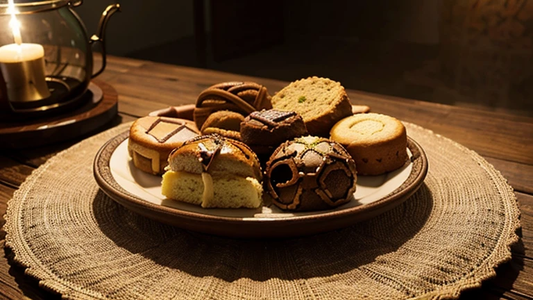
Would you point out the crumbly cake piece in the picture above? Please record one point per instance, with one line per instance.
(321, 102)
(227, 191)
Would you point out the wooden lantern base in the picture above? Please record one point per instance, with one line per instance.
(93, 114)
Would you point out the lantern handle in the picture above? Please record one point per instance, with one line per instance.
(75, 3)
(99, 36)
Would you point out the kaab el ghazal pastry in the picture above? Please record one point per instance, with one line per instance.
(240, 97)
(265, 130)
(310, 173)
(213, 171)
(321, 102)
(377, 143)
(152, 139)
(225, 123)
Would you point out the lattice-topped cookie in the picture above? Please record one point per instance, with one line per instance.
(310, 173)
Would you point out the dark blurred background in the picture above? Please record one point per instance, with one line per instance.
(463, 52)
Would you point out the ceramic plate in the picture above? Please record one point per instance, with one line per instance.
(141, 193)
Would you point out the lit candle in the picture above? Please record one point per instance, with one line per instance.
(22, 67)
(14, 53)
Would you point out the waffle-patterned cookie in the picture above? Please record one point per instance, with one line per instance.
(153, 138)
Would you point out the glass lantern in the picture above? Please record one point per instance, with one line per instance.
(46, 59)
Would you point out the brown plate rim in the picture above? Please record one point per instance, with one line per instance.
(290, 226)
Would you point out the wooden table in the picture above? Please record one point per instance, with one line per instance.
(504, 140)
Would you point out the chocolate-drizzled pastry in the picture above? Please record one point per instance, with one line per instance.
(241, 97)
(214, 171)
(310, 173)
(207, 156)
(153, 138)
(265, 130)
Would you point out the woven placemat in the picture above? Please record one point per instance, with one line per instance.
(449, 236)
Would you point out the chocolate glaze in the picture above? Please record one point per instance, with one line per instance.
(271, 117)
(181, 127)
(206, 156)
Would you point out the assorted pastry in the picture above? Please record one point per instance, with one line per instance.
(321, 102)
(225, 123)
(240, 97)
(378, 143)
(214, 171)
(303, 147)
(310, 173)
(265, 130)
(153, 138)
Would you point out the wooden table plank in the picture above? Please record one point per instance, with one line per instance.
(201, 77)
(525, 203)
(18, 285)
(8, 286)
(13, 172)
(139, 107)
(6, 192)
(501, 286)
(518, 175)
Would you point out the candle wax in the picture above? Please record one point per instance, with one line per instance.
(13, 53)
(23, 70)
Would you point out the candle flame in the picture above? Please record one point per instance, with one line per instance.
(14, 23)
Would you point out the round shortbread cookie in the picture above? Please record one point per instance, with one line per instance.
(377, 143)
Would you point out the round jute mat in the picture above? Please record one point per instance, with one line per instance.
(449, 236)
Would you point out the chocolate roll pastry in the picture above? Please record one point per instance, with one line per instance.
(310, 173)
(265, 130)
(241, 97)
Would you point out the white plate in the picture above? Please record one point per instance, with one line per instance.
(141, 192)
